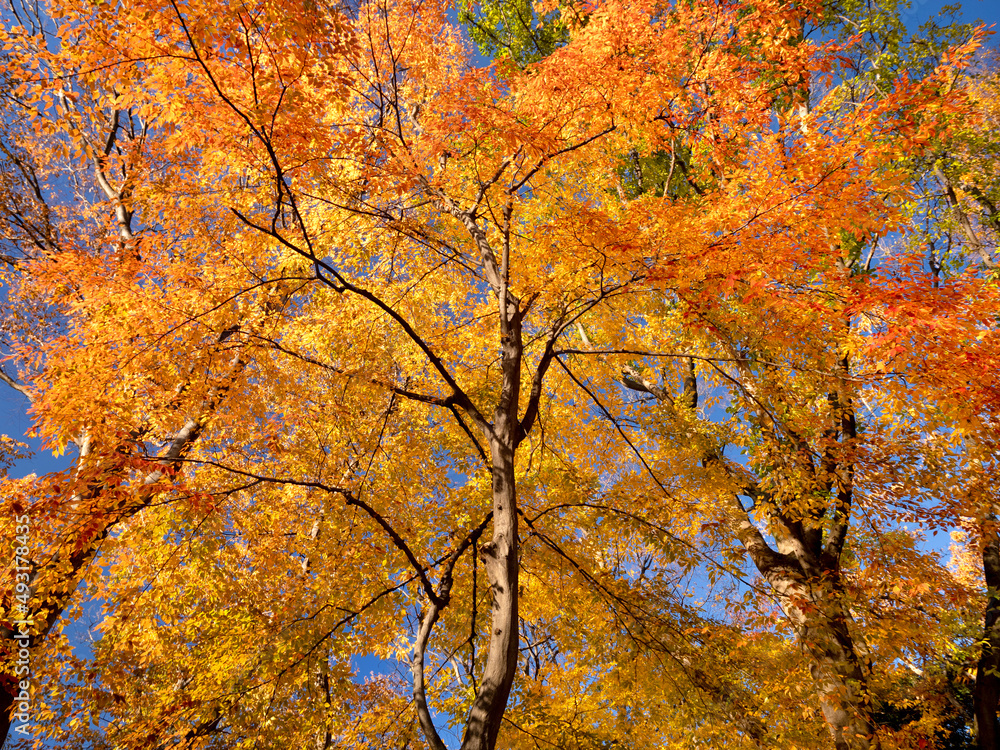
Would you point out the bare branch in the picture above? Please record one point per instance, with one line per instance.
(14, 384)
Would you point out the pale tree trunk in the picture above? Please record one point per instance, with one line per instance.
(841, 684)
(804, 569)
(45, 611)
(809, 591)
(61, 573)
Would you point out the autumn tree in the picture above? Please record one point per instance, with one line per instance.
(347, 332)
(808, 545)
(958, 237)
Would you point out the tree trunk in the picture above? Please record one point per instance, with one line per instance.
(841, 684)
(815, 609)
(987, 692)
(808, 588)
(500, 556)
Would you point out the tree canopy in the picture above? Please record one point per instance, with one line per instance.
(602, 394)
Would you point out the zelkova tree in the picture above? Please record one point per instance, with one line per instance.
(955, 359)
(906, 323)
(322, 307)
(792, 407)
(973, 206)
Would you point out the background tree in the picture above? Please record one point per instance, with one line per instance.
(870, 66)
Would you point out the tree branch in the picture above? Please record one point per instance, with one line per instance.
(4, 377)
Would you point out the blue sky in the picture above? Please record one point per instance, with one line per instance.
(972, 10)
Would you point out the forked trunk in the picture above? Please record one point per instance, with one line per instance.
(809, 593)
